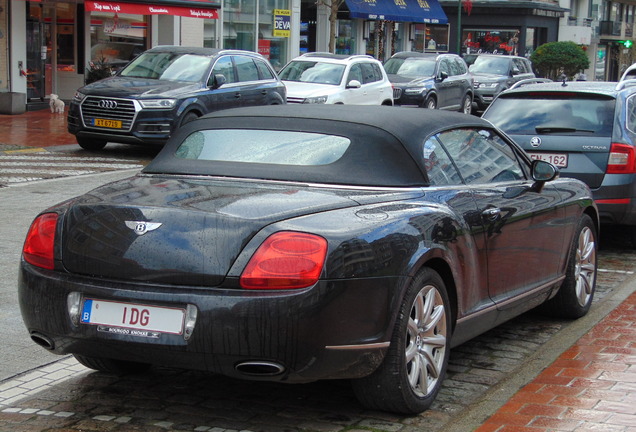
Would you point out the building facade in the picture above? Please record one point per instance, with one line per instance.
(50, 46)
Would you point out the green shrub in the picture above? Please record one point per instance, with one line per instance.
(553, 58)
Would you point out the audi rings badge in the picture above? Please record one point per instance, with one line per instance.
(107, 104)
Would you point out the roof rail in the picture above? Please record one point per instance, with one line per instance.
(529, 81)
(335, 56)
(625, 83)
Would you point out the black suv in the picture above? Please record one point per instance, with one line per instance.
(166, 87)
(430, 81)
(494, 73)
(587, 130)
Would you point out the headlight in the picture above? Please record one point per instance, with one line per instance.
(414, 90)
(158, 103)
(316, 100)
(78, 97)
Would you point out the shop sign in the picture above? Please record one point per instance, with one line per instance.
(282, 23)
(265, 47)
(148, 9)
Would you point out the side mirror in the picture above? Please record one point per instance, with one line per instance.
(515, 71)
(219, 80)
(354, 84)
(442, 76)
(543, 171)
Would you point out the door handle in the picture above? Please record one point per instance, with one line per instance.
(237, 95)
(491, 214)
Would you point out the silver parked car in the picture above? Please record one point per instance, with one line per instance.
(494, 73)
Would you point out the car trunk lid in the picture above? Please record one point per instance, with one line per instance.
(176, 231)
(572, 130)
(581, 157)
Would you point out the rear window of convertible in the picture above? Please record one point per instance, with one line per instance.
(263, 146)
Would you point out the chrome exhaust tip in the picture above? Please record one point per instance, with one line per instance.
(44, 341)
(260, 368)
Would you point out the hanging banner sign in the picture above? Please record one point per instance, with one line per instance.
(282, 23)
(148, 9)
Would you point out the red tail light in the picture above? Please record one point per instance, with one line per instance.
(622, 159)
(286, 260)
(40, 240)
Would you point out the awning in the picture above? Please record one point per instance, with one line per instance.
(416, 11)
(150, 9)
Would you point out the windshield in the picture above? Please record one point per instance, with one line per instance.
(491, 65)
(168, 66)
(546, 113)
(313, 72)
(410, 67)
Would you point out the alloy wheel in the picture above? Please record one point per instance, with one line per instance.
(426, 341)
(585, 266)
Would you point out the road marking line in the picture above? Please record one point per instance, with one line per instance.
(615, 271)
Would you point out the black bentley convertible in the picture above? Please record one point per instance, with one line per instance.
(299, 243)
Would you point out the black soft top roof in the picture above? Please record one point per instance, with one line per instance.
(386, 143)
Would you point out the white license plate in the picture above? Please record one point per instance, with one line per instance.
(133, 316)
(559, 160)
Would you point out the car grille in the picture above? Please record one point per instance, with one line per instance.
(298, 100)
(122, 110)
(397, 93)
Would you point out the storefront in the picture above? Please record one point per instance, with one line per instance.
(379, 28)
(67, 40)
(515, 27)
(57, 45)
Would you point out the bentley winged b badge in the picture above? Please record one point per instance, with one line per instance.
(141, 227)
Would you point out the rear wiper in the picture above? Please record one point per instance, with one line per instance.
(559, 129)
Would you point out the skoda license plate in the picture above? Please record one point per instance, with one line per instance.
(132, 319)
(559, 160)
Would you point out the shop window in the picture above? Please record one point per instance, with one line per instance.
(116, 39)
(345, 41)
(210, 39)
(429, 38)
(239, 24)
(490, 41)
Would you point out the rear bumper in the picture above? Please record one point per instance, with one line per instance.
(336, 329)
(616, 199)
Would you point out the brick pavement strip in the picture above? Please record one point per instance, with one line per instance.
(483, 375)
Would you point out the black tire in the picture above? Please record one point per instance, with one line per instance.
(431, 103)
(467, 105)
(191, 116)
(420, 348)
(111, 366)
(91, 144)
(577, 290)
